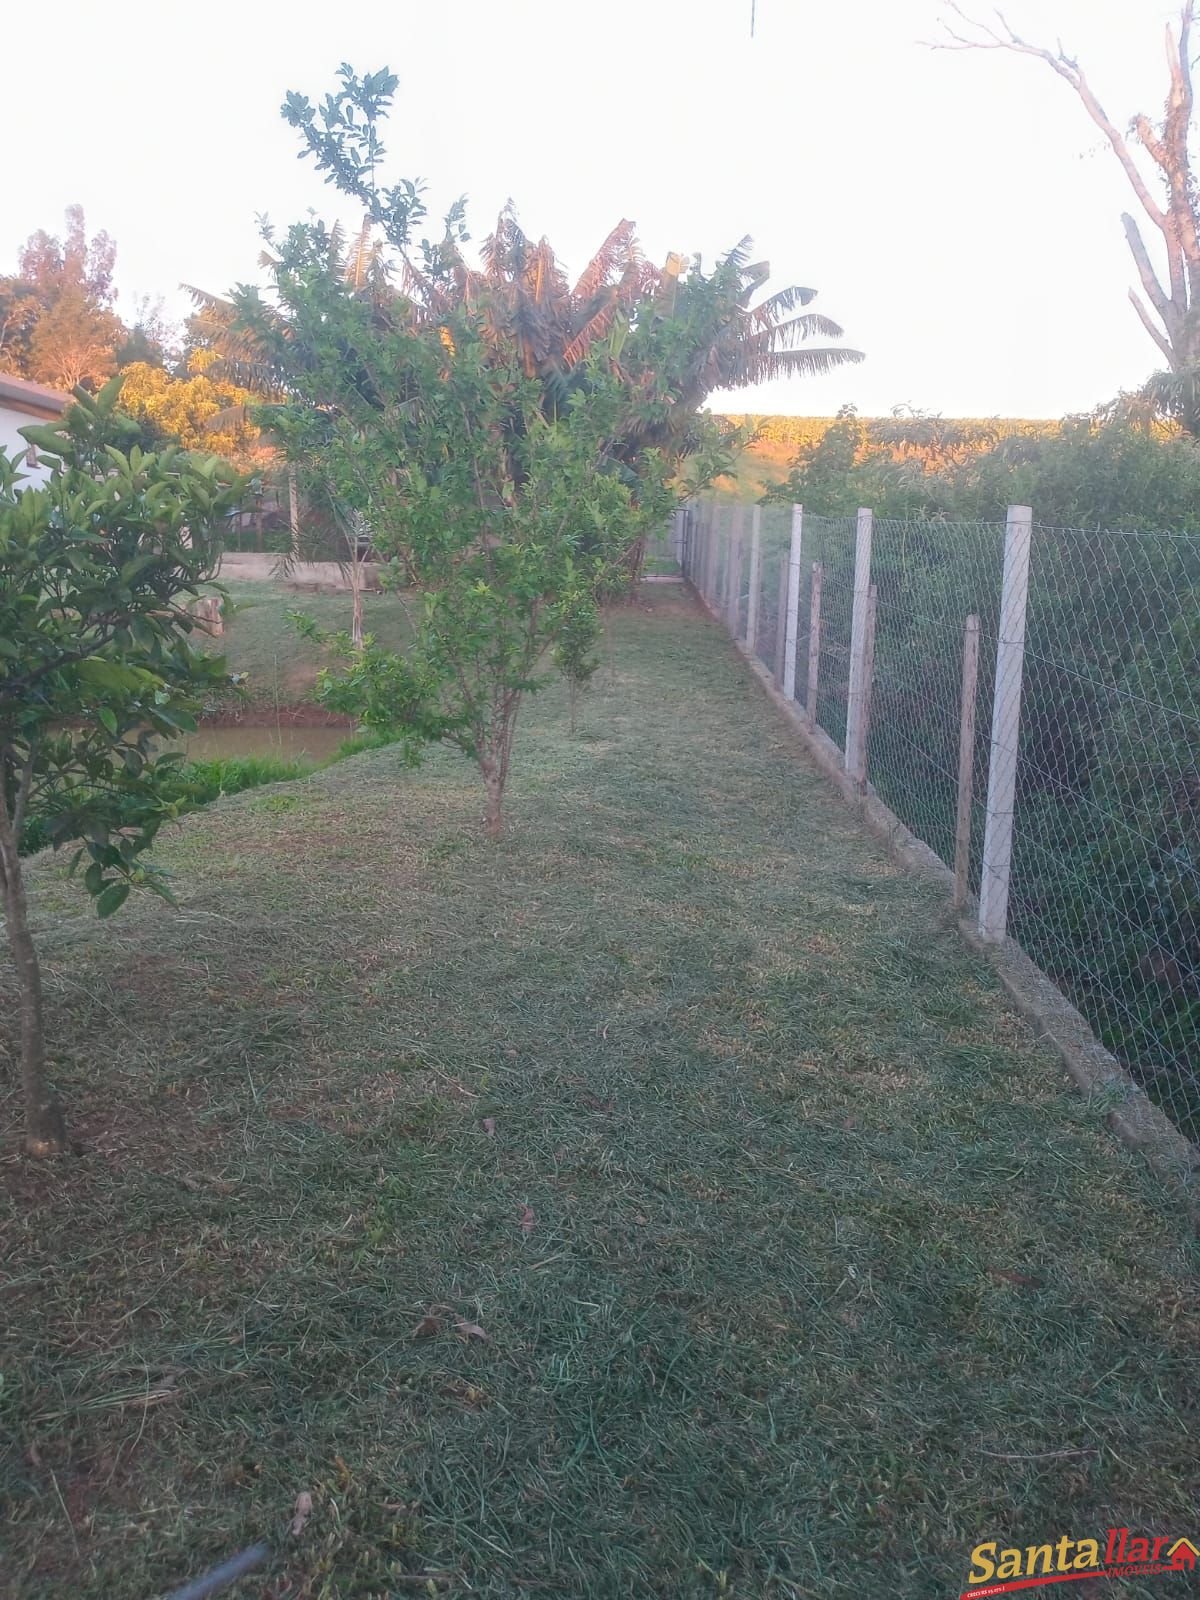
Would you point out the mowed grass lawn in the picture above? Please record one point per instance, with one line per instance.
(263, 646)
(659, 1203)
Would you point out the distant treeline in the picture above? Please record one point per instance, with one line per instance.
(779, 435)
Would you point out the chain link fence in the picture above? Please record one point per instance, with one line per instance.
(1027, 700)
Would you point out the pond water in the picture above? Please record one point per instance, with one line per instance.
(284, 742)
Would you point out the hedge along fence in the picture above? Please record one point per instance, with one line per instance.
(1026, 699)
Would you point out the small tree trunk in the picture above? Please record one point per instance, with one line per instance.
(636, 561)
(356, 625)
(493, 764)
(293, 513)
(573, 696)
(493, 816)
(45, 1133)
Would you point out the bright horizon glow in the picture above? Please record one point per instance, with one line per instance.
(957, 212)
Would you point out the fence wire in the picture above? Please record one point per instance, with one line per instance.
(1104, 891)
(828, 546)
(1106, 851)
(930, 578)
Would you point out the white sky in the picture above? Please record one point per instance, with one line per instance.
(957, 212)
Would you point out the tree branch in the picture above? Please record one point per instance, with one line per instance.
(1176, 132)
(1071, 72)
(1160, 340)
(24, 782)
(1155, 292)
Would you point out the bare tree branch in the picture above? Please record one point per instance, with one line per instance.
(1147, 322)
(1071, 72)
(1167, 148)
(1155, 292)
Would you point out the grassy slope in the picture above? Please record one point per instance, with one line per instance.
(759, 468)
(828, 1276)
(261, 642)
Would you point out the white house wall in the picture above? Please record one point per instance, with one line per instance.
(12, 443)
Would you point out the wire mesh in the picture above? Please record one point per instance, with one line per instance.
(829, 542)
(930, 576)
(774, 533)
(663, 553)
(1106, 852)
(1099, 726)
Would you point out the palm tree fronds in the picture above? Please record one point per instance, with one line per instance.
(206, 301)
(738, 257)
(809, 363)
(619, 250)
(596, 328)
(785, 301)
(797, 329)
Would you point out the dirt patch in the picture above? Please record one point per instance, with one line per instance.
(673, 601)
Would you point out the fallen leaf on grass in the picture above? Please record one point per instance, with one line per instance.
(301, 1512)
(428, 1327)
(489, 1127)
(1021, 1279)
(469, 1331)
(526, 1219)
(468, 1394)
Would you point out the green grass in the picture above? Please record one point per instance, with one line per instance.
(261, 643)
(199, 782)
(829, 1276)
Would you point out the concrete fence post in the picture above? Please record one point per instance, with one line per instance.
(1006, 727)
(708, 574)
(793, 604)
(781, 619)
(854, 752)
(966, 762)
(859, 772)
(814, 644)
(752, 604)
(733, 573)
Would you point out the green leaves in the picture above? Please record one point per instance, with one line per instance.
(112, 899)
(102, 672)
(95, 567)
(342, 137)
(46, 437)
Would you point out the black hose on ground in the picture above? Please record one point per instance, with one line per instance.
(220, 1577)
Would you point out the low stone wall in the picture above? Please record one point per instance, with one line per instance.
(302, 575)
